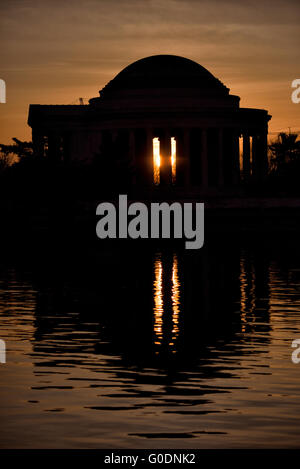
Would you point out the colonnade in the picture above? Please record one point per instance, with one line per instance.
(205, 157)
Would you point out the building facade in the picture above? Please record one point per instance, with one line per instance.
(170, 118)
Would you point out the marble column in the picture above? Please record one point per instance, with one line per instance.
(54, 146)
(220, 159)
(204, 159)
(114, 136)
(149, 177)
(66, 142)
(95, 142)
(132, 146)
(186, 158)
(165, 156)
(38, 143)
(132, 154)
(235, 159)
(254, 158)
(246, 156)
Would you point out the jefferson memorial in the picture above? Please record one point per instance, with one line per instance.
(175, 122)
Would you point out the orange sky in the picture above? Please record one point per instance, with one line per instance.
(54, 52)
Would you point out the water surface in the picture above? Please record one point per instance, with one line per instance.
(158, 349)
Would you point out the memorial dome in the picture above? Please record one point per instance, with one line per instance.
(164, 71)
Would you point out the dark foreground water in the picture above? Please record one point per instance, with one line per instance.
(133, 349)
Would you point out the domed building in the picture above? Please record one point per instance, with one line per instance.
(170, 118)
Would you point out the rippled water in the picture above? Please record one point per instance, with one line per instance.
(151, 349)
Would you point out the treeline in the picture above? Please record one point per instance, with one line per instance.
(284, 164)
(25, 175)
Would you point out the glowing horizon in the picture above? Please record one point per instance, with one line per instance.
(53, 53)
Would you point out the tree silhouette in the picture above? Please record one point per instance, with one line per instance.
(284, 152)
(19, 149)
(285, 164)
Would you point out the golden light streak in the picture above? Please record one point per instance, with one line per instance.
(241, 152)
(175, 300)
(247, 291)
(158, 301)
(156, 160)
(251, 155)
(243, 289)
(173, 158)
(162, 311)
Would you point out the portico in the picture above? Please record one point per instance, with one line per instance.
(170, 118)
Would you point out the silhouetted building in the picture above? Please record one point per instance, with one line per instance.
(170, 117)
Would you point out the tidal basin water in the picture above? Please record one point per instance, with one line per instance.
(135, 348)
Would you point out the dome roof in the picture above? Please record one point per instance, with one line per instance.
(164, 71)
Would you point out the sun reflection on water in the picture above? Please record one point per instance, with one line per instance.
(166, 303)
